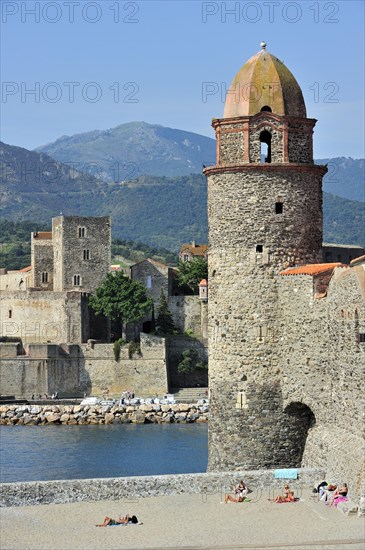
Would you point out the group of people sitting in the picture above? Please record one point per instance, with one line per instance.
(331, 494)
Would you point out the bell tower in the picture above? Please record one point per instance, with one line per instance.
(264, 215)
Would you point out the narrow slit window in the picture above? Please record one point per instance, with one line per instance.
(45, 277)
(77, 280)
(82, 232)
(86, 254)
(259, 248)
(278, 208)
(10, 313)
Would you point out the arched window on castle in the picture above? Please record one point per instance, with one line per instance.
(265, 140)
(77, 280)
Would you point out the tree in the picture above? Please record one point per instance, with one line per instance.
(190, 362)
(164, 321)
(191, 273)
(121, 299)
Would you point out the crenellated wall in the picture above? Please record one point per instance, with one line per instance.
(90, 368)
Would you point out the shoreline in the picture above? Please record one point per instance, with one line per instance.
(41, 415)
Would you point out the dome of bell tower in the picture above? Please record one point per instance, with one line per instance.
(264, 83)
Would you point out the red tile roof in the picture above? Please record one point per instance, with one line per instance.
(358, 260)
(26, 269)
(311, 269)
(194, 249)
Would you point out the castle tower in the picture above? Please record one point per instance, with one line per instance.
(265, 214)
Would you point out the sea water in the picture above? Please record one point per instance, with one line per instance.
(30, 453)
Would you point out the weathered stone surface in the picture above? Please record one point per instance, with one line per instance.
(44, 492)
(109, 418)
(53, 417)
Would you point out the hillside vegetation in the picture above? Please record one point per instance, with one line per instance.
(137, 148)
(158, 211)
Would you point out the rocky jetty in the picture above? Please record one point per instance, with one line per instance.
(30, 415)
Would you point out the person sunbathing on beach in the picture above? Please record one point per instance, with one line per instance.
(117, 521)
(288, 496)
(339, 495)
(240, 493)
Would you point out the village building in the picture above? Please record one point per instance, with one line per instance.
(189, 251)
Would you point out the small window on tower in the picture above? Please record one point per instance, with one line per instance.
(86, 254)
(149, 281)
(265, 141)
(278, 208)
(45, 277)
(259, 248)
(10, 313)
(77, 280)
(82, 232)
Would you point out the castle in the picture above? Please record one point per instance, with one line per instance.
(286, 332)
(47, 302)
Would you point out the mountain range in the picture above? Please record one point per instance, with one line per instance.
(157, 210)
(134, 149)
(137, 148)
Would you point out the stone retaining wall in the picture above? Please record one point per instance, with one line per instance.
(31, 415)
(261, 483)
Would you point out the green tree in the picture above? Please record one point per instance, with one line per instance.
(164, 321)
(191, 273)
(121, 299)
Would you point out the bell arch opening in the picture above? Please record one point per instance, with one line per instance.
(266, 108)
(298, 420)
(265, 141)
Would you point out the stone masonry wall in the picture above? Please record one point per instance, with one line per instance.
(249, 245)
(90, 368)
(187, 313)
(154, 276)
(42, 262)
(260, 482)
(145, 373)
(42, 316)
(322, 367)
(87, 255)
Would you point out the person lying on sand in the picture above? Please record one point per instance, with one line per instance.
(117, 521)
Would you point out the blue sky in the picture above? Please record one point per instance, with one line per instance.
(94, 65)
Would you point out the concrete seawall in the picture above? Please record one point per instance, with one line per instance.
(261, 483)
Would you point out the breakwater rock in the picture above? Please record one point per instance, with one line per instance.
(31, 415)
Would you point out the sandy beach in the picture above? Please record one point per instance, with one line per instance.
(181, 522)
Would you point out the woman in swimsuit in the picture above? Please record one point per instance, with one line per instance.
(118, 521)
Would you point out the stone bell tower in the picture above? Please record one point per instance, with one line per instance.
(265, 214)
